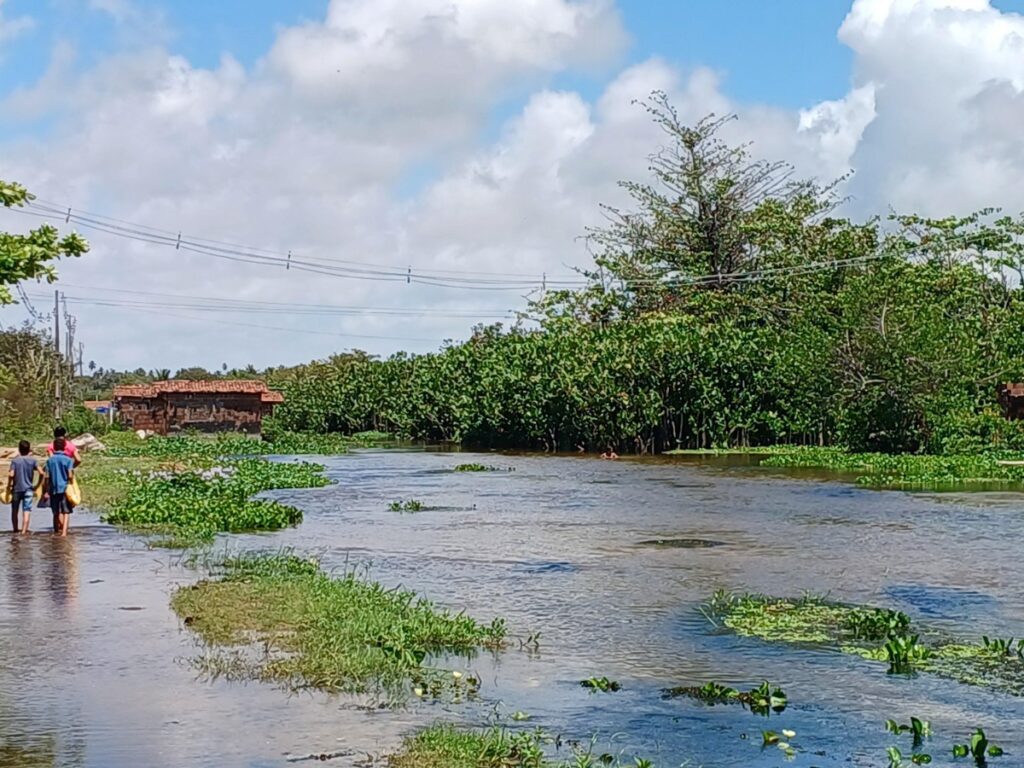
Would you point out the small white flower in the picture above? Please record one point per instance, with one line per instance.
(456, 675)
(789, 734)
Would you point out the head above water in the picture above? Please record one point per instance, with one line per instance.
(59, 432)
(24, 447)
(59, 444)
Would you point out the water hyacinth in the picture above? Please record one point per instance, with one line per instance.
(192, 505)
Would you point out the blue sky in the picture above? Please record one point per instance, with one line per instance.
(783, 52)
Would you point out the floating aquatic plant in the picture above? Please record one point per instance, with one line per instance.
(978, 748)
(762, 700)
(602, 684)
(411, 505)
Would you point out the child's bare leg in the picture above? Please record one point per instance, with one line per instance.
(64, 519)
(14, 516)
(26, 517)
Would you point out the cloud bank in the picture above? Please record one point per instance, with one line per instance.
(369, 136)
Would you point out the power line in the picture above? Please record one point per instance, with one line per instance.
(229, 306)
(377, 272)
(337, 267)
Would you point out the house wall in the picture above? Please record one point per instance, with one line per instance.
(1011, 398)
(141, 413)
(213, 412)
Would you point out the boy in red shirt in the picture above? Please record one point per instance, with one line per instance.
(69, 448)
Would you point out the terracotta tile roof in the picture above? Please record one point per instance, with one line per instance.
(1015, 390)
(272, 397)
(228, 387)
(92, 405)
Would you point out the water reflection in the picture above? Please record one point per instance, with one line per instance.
(20, 573)
(61, 566)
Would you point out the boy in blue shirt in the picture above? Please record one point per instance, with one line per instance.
(21, 482)
(59, 474)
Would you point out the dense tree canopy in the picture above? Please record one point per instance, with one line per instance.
(729, 306)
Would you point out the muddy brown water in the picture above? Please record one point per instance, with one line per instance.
(95, 669)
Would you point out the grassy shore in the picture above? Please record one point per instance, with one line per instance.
(342, 633)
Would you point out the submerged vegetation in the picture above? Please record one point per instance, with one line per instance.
(334, 633)
(601, 684)
(875, 634)
(409, 505)
(447, 746)
(762, 700)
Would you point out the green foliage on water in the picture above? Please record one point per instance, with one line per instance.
(875, 634)
(601, 684)
(906, 470)
(409, 505)
(334, 633)
(762, 700)
(188, 505)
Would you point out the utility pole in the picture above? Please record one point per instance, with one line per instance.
(57, 368)
(81, 354)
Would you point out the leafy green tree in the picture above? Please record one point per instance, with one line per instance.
(28, 257)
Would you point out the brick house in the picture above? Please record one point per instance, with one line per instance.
(1011, 398)
(166, 407)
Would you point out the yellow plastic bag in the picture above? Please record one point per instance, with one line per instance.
(73, 493)
(5, 494)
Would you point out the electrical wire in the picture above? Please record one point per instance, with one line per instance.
(228, 305)
(377, 272)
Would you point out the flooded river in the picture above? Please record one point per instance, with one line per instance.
(95, 669)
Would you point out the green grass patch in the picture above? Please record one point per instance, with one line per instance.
(449, 746)
(105, 479)
(906, 470)
(876, 634)
(341, 633)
